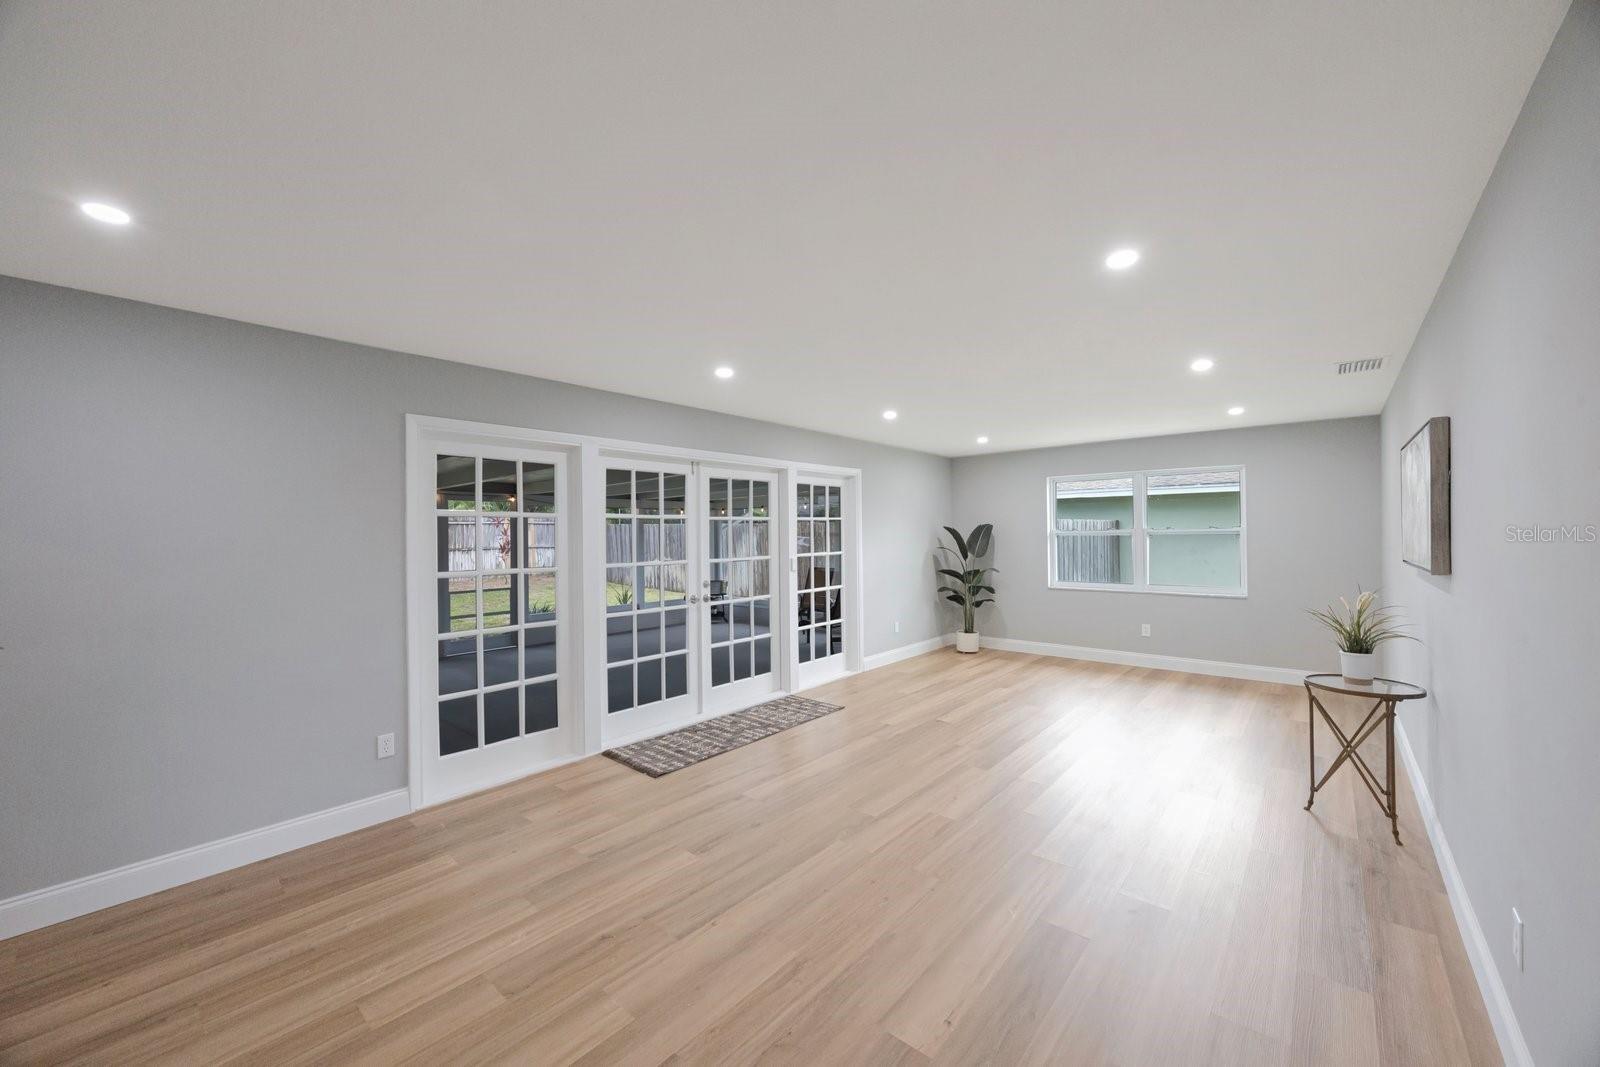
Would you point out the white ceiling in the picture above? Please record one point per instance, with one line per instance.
(857, 205)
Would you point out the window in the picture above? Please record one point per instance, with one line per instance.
(1176, 531)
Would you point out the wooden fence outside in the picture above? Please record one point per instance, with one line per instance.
(1089, 559)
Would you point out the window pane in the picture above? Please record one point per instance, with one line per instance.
(619, 490)
(1195, 561)
(500, 658)
(541, 538)
(649, 682)
(619, 688)
(458, 604)
(758, 499)
(805, 646)
(674, 500)
(500, 714)
(619, 589)
(1206, 500)
(619, 638)
(497, 591)
(538, 651)
(538, 488)
(647, 493)
(496, 544)
(457, 543)
(741, 499)
(763, 656)
(677, 676)
(647, 593)
(619, 540)
(648, 627)
(802, 501)
(833, 502)
(458, 664)
(673, 583)
(759, 543)
(741, 539)
(458, 725)
(759, 578)
(675, 630)
(674, 539)
(761, 617)
(499, 485)
(741, 660)
(1094, 504)
(718, 499)
(539, 707)
(541, 602)
(649, 540)
(721, 665)
(1099, 558)
(455, 482)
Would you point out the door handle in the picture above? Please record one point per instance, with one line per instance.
(693, 599)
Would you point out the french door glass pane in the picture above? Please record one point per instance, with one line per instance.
(819, 546)
(639, 585)
(496, 524)
(738, 572)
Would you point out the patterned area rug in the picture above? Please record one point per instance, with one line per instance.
(688, 746)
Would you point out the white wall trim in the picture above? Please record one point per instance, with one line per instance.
(1214, 668)
(58, 903)
(1513, 1047)
(895, 655)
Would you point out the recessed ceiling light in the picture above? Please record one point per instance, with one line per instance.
(723, 372)
(1236, 410)
(983, 440)
(1122, 258)
(1203, 364)
(112, 216)
(891, 414)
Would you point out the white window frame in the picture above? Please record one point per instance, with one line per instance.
(1141, 533)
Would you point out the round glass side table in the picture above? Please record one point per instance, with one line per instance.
(1386, 694)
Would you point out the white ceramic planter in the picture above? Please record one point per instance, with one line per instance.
(1357, 666)
(966, 642)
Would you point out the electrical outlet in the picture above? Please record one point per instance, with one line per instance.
(385, 746)
(1516, 938)
(1144, 629)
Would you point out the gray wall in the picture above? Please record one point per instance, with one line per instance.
(1509, 741)
(1311, 494)
(146, 705)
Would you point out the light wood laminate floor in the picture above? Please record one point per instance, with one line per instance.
(994, 859)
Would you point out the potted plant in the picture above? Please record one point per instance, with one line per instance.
(1360, 628)
(969, 583)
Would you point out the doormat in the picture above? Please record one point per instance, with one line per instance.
(656, 756)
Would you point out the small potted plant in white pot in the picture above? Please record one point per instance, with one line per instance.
(1360, 629)
(969, 583)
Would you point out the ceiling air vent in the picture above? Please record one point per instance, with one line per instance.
(1360, 366)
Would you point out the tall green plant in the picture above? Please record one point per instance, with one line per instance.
(969, 582)
(1361, 627)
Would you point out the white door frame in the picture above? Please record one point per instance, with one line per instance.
(584, 574)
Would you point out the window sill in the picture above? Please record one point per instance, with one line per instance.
(1211, 594)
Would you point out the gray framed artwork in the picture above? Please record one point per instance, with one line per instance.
(1425, 497)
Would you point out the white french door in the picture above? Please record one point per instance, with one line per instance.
(737, 589)
(652, 637)
(569, 593)
(494, 679)
(820, 621)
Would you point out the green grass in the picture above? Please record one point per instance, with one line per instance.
(541, 599)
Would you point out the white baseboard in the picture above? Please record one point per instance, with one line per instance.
(895, 655)
(1513, 1047)
(58, 903)
(1214, 668)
